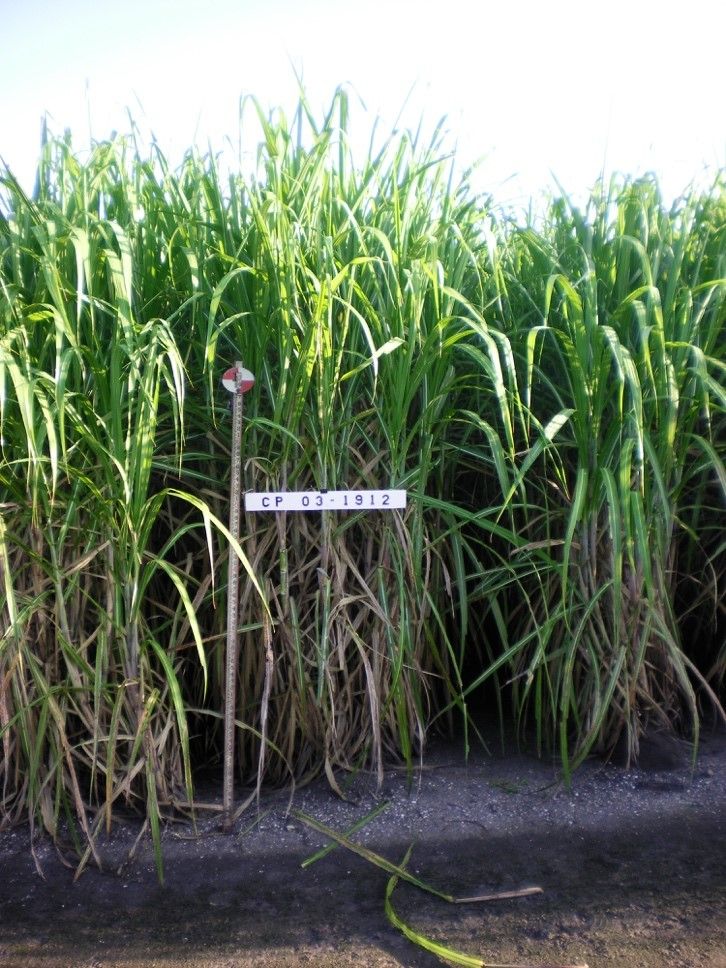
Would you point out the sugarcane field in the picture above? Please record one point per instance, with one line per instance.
(362, 561)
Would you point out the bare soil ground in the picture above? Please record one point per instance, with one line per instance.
(632, 864)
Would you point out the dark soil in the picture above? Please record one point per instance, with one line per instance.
(632, 864)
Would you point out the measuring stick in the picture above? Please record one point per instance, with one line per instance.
(238, 381)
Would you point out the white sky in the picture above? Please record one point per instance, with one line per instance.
(558, 87)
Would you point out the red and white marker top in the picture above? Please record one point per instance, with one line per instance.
(229, 380)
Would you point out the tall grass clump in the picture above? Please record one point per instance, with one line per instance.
(551, 395)
(614, 480)
(126, 290)
(98, 608)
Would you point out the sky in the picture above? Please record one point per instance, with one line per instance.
(533, 91)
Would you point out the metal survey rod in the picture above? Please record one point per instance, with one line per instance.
(238, 381)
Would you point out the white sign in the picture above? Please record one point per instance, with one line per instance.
(325, 500)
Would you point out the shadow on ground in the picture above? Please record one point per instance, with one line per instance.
(646, 889)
